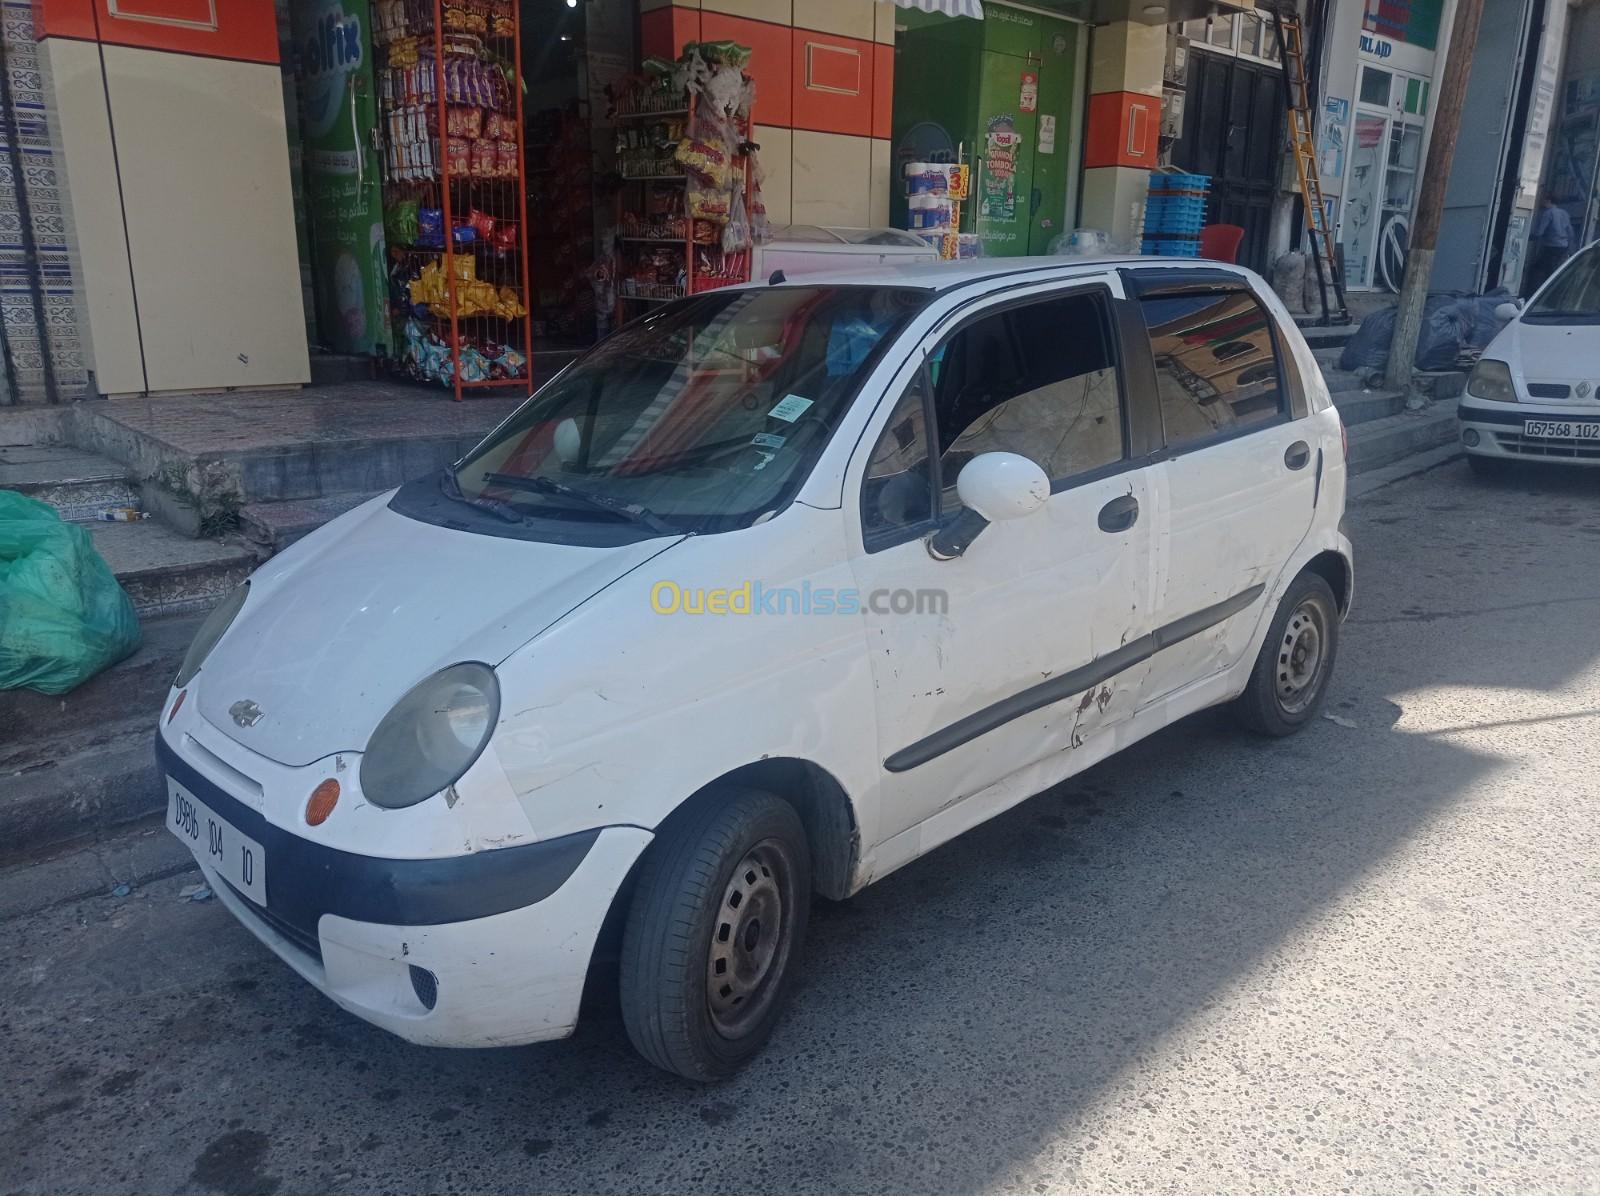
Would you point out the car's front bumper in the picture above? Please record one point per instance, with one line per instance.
(1490, 429)
(485, 949)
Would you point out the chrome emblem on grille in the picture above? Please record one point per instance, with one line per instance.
(245, 712)
(1583, 390)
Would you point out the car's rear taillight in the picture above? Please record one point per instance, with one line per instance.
(1344, 439)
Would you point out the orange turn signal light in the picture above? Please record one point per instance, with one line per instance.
(323, 798)
(177, 704)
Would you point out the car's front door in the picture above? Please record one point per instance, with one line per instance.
(1242, 467)
(986, 664)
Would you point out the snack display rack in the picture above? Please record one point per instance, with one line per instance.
(691, 206)
(454, 189)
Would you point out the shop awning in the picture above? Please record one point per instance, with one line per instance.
(950, 8)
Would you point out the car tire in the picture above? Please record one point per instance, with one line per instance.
(1488, 467)
(713, 935)
(1290, 678)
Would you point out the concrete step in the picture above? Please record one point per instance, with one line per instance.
(342, 439)
(169, 574)
(273, 526)
(75, 786)
(1323, 336)
(1381, 442)
(131, 688)
(78, 484)
(1364, 406)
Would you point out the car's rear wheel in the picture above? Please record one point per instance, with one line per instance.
(713, 935)
(1291, 674)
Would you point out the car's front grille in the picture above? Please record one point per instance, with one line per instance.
(1557, 447)
(309, 944)
(1549, 390)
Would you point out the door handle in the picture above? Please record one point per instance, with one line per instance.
(1297, 455)
(1119, 514)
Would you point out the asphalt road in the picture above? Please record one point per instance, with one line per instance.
(1366, 959)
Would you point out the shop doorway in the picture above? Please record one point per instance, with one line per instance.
(1381, 180)
(1008, 91)
(571, 55)
(1233, 131)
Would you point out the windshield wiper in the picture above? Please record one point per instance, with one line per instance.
(632, 512)
(451, 489)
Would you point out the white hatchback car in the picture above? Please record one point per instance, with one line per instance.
(767, 595)
(1535, 393)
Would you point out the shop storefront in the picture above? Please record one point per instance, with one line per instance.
(1372, 129)
(1004, 95)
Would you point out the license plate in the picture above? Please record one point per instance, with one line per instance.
(216, 843)
(1564, 429)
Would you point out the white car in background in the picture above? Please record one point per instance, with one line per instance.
(770, 593)
(1535, 393)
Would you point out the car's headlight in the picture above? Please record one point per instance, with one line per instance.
(1491, 379)
(212, 630)
(431, 737)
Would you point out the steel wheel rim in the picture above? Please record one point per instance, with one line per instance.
(749, 940)
(1302, 656)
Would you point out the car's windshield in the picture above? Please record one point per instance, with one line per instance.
(1574, 293)
(699, 418)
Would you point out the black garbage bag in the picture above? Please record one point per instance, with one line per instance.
(1450, 323)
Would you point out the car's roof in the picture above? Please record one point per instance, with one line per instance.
(949, 276)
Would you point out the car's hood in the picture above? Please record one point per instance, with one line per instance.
(1567, 353)
(337, 628)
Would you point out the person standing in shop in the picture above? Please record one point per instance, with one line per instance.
(1550, 241)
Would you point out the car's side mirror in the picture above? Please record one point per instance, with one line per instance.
(992, 487)
(1507, 311)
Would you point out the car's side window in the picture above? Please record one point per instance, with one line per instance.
(1039, 379)
(1216, 364)
(897, 491)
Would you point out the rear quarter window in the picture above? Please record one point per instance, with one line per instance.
(1218, 368)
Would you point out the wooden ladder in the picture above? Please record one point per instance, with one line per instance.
(1303, 144)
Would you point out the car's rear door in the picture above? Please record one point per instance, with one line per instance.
(1242, 464)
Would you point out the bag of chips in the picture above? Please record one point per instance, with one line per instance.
(401, 222)
(464, 122)
(483, 159)
(430, 228)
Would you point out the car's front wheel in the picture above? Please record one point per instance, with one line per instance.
(1291, 675)
(713, 935)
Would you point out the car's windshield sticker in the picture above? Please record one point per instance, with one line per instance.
(768, 440)
(790, 408)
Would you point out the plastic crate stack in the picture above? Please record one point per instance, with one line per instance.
(1174, 213)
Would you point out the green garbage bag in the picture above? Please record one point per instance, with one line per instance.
(63, 617)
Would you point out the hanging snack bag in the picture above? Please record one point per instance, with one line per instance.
(401, 223)
(483, 159)
(430, 228)
(706, 162)
(482, 223)
(463, 122)
(505, 159)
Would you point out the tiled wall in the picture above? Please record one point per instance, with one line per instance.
(824, 72)
(180, 212)
(49, 284)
